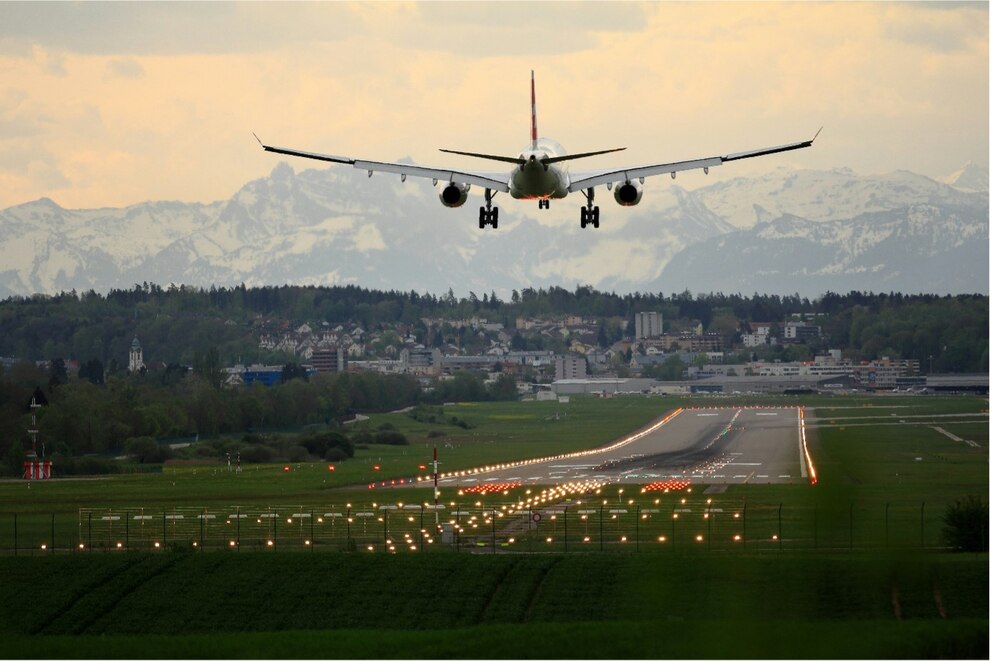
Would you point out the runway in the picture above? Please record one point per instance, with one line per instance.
(709, 446)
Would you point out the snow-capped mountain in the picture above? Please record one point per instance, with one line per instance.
(971, 177)
(787, 231)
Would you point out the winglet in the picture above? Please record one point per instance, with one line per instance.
(259, 141)
(817, 133)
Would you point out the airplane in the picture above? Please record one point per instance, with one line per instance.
(536, 174)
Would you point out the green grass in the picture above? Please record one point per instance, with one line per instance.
(697, 605)
(825, 589)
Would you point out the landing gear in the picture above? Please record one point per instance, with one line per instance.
(590, 214)
(488, 215)
(544, 204)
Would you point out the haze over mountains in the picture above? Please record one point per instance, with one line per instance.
(785, 232)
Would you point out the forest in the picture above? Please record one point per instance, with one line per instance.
(183, 324)
(104, 411)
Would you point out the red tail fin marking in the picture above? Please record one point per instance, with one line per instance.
(533, 112)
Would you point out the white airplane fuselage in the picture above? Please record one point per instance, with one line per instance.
(535, 180)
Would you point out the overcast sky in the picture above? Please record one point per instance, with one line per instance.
(116, 103)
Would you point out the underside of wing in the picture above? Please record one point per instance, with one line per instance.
(589, 179)
(494, 181)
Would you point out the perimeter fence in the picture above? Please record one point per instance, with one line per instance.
(670, 522)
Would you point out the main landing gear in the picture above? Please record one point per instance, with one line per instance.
(590, 214)
(488, 215)
(544, 204)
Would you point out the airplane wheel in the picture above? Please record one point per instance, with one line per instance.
(584, 216)
(495, 222)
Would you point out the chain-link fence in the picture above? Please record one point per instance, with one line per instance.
(594, 524)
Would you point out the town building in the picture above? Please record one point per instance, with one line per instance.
(647, 325)
(570, 367)
(329, 360)
(136, 360)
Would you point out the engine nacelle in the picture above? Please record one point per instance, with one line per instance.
(454, 195)
(628, 193)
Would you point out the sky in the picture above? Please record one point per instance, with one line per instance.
(111, 104)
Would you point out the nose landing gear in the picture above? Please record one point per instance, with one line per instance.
(590, 214)
(544, 204)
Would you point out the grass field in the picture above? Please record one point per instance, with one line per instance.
(831, 570)
(461, 605)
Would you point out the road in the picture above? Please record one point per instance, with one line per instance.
(711, 446)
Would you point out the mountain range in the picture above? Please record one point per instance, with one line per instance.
(784, 232)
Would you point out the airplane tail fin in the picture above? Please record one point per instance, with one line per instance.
(533, 113)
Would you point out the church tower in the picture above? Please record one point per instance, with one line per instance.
(135, 361)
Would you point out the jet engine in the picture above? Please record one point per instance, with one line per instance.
(628, 193)
(454, 195)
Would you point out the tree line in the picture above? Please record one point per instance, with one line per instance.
(126, 412)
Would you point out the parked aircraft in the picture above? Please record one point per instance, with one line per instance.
(538, 173)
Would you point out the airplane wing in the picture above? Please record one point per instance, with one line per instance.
(496, 182)
(588, 180)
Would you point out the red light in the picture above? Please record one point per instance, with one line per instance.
(375, 468)
(330, 467)
(423, 467)
(286, 468)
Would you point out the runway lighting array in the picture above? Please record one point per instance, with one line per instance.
(670, 485)
(490, 488)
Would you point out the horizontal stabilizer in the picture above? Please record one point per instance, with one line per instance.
(491, 157)
(569, 157)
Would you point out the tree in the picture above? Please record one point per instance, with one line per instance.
(208, 367)
(966, 525)
(57, 374)
(93, 371)
(293, 371)
(504, 388)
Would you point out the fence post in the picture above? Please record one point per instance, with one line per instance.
(53, 534)
(922, 506)
(422, 527)
(709, 529)
(89, 531)
(15, 534)
(203, 519)
(780, 527)
(275, 530)
(237, 544)
(744, 532)
(565, 516)
(637, 528)
(674, 515)
(312, 541)
(165, 533)
(601, 528)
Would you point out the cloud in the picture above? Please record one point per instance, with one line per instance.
(125, 68)
(141, 101)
